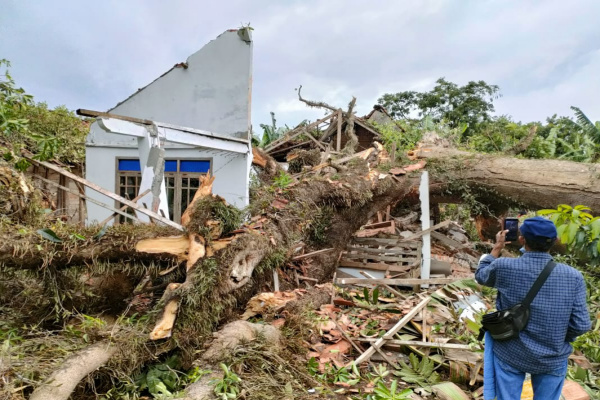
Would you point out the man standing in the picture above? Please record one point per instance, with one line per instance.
(558, 314)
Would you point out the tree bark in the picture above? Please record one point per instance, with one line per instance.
(535, 184)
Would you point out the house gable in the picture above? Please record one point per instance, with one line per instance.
(210, 91)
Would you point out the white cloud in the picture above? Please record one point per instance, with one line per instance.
(544, 56)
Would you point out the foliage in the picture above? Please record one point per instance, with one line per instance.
(588, 127)
(577, 229)
(382, 392)
(270, 133)
(229, 386)
(46, 133)
(160, 380)
(420, 372)
(471, 103)
(13, 101)
(282, 180)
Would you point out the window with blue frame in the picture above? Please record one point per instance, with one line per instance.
(182, 179)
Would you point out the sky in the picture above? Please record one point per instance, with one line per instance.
(545, 56)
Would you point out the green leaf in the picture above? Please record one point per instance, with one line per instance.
(449, 391)
(547, 212)
(49, 234)
(572, 230)
(595, 225)
(375, 296)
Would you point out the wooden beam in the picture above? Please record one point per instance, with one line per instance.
(375, 266)
(314, 253)
(310, 136)
(107, 193)
(382, 251)
(391, 289)
(415, 343)
(395, 282)
(338, 144)
(386, 242)
(380, 224)
(136, 198)
(379, 258)
(390, 334)
(428, 230)
(76, 193)
(301, 130)
(99, 114)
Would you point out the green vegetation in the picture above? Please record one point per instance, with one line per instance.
(47, 134)
(464, 116)
(270, 133)
(577, 229)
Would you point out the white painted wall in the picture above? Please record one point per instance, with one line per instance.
(230, 170)
(212, 94)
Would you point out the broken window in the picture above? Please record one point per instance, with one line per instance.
(182, 179)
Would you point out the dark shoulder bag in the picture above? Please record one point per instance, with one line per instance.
(506, 324)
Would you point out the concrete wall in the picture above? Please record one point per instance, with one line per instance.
(213, 93)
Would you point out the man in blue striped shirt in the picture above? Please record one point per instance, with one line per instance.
(558, 313)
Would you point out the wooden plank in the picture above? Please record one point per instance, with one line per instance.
(289, 148)
(428, 230)
(338, 144)
(359, 256)
(99, 114)
(107, 193)
(139, 196)
(387, 242)
(445, 240)
(390, 334)
(382, 251)
(301, 130)
(362, 154)
(314, 253)
(133, 217)
(375, 266)
(438, 345)
(391, 289)
(396, 282)
(379, 224)
(310, 136)
(372, 232)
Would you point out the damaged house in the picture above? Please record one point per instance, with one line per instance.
(195, 118)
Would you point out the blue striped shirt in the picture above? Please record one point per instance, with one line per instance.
(558, 313)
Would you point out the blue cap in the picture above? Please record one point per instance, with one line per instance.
(539, 228)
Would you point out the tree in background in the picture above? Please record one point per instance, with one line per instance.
(46, 133)
(472, 103)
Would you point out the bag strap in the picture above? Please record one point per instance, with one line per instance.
(539, 282)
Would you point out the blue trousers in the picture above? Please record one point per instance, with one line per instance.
(509, 382)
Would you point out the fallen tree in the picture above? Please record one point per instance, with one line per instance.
(527, 182)
(226, 262)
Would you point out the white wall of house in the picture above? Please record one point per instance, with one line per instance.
(212, 94)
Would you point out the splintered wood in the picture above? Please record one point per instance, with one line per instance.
(189, 248)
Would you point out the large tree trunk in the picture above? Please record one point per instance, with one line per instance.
(498, 181)
(532, 183)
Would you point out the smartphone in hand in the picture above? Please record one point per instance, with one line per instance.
(512, 225)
